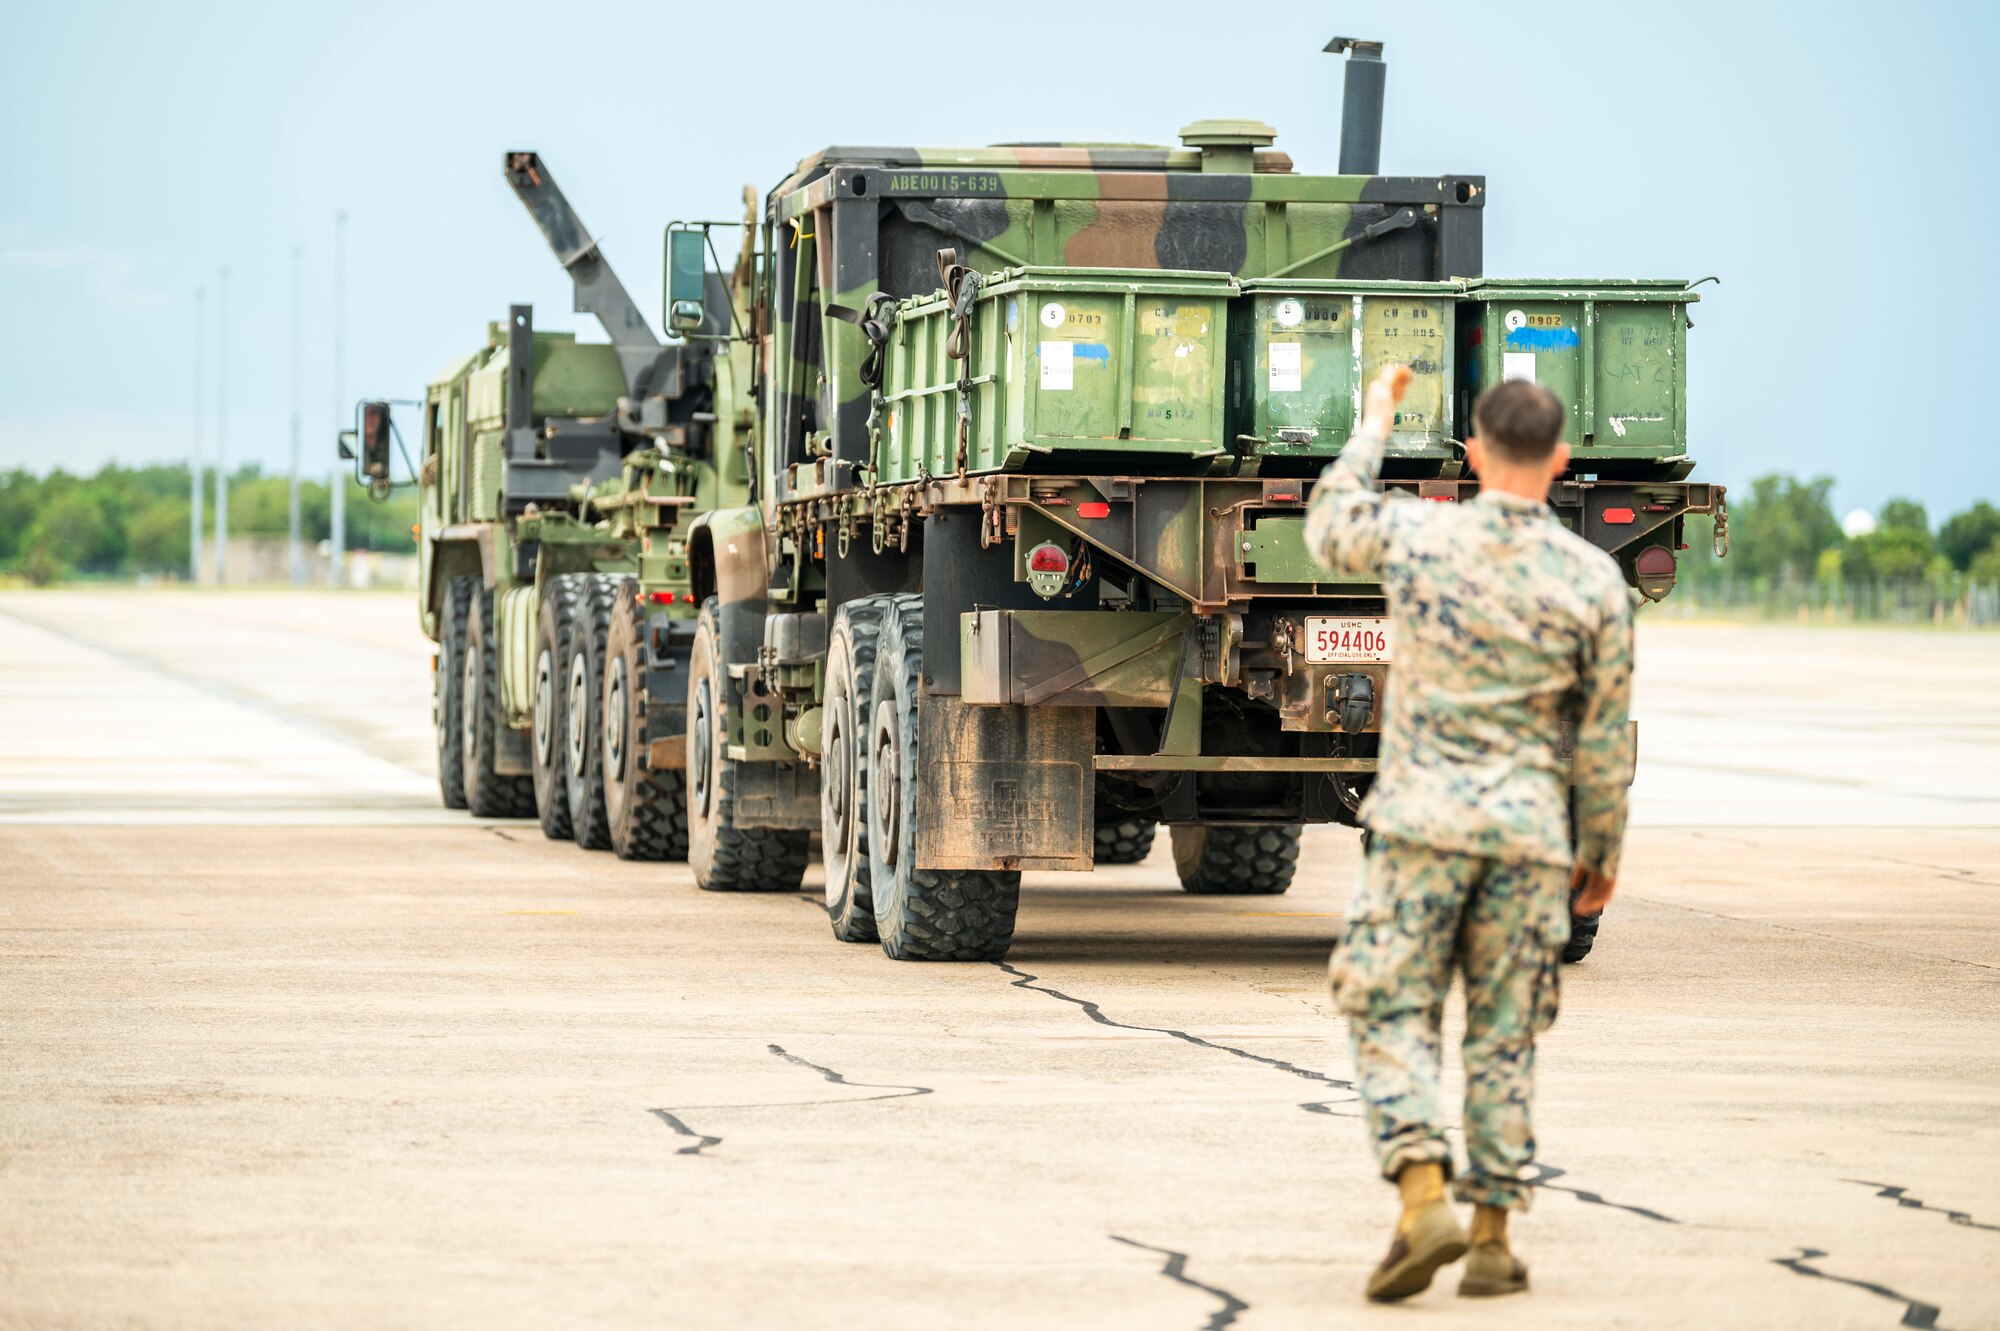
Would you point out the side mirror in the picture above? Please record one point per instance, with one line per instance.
(346, 442)
(375, 442)
(687, 278)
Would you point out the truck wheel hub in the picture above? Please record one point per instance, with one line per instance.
(579, 699)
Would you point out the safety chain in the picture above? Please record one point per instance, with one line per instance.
(961, 285)
(992, 520)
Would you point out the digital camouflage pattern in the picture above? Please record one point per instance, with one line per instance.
(1504, 624)
(1419, 913)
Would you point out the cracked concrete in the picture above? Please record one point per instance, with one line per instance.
(286, 1045)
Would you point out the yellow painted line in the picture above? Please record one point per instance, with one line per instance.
(541, 912)
(1290, 914)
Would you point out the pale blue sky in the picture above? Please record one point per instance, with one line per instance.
(1833, 163)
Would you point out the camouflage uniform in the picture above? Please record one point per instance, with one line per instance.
(1502, 623)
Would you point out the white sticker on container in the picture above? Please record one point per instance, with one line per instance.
(1289, 313)
(1052, 314)
(1285, 367)
(1515, 320)
(1517, 365)
(1058, 366)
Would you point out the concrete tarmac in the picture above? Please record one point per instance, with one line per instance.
(287, 1045)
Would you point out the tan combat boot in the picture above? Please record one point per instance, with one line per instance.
(1492, 1268)
(1428, 1236)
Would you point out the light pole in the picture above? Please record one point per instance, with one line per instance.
(338, 543)
(194, 467)
(222, 426)
(295, 558)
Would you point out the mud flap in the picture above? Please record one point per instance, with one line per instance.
(1005, 787)
(514, 752)
(784, 795)
(669, 643)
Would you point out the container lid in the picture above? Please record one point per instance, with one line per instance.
(1580, 288)
(1334, 286)
(1095, 281)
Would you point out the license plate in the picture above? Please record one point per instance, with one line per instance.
(1364, 641)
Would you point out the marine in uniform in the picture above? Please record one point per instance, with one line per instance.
(1504, 626)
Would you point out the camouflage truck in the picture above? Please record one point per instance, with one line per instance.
(559, 480)
(1023, 562)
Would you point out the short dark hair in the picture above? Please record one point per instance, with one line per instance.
(1518, 420)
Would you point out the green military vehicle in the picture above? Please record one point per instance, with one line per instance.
(559, 480)
(1022, 575)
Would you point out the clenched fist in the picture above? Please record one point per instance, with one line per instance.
(1378, 412)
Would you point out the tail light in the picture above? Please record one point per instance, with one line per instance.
(1656, 568)
(1048, 568)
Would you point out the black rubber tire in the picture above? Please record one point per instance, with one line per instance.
(646, 810)
(1126, 841)
(583, 722)
(1236, 861)
(725, 857)
(843, 783)
(447, 689)
(487, 793)
(921, 914)
(547, 698)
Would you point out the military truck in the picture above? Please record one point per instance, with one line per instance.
(1023, 554)
(559, 479)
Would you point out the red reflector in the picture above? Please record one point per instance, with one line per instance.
(1282, 499)
(1046, 558)
(1442, 499)
(1618, 516)
(661, 598)
(1096, 508)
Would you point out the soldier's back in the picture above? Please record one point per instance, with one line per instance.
(1493, 605)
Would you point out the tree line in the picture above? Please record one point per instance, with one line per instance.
(125, 522)
(1784, 529)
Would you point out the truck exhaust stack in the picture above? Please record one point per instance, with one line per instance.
(1361, 105)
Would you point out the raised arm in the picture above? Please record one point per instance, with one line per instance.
(1603, 762)
(1345, 528)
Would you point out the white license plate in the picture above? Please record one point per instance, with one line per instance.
(1364, 641)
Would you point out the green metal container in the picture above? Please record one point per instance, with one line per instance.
(1063, 361)
(1305, 351)
(571, 379)
(1614, 352)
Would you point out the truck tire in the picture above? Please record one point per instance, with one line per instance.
(448, 690)
(646, 810)
(583, 721)
(725, 857)
(1236, 861)
(921, 914)
(1126, 841)
(547, 698)
(843, 783)
(487, 793)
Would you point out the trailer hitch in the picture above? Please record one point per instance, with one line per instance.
(1352, 700)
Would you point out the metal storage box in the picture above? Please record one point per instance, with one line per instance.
(1306, 350)
(1085, 361)
(1614, 352)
